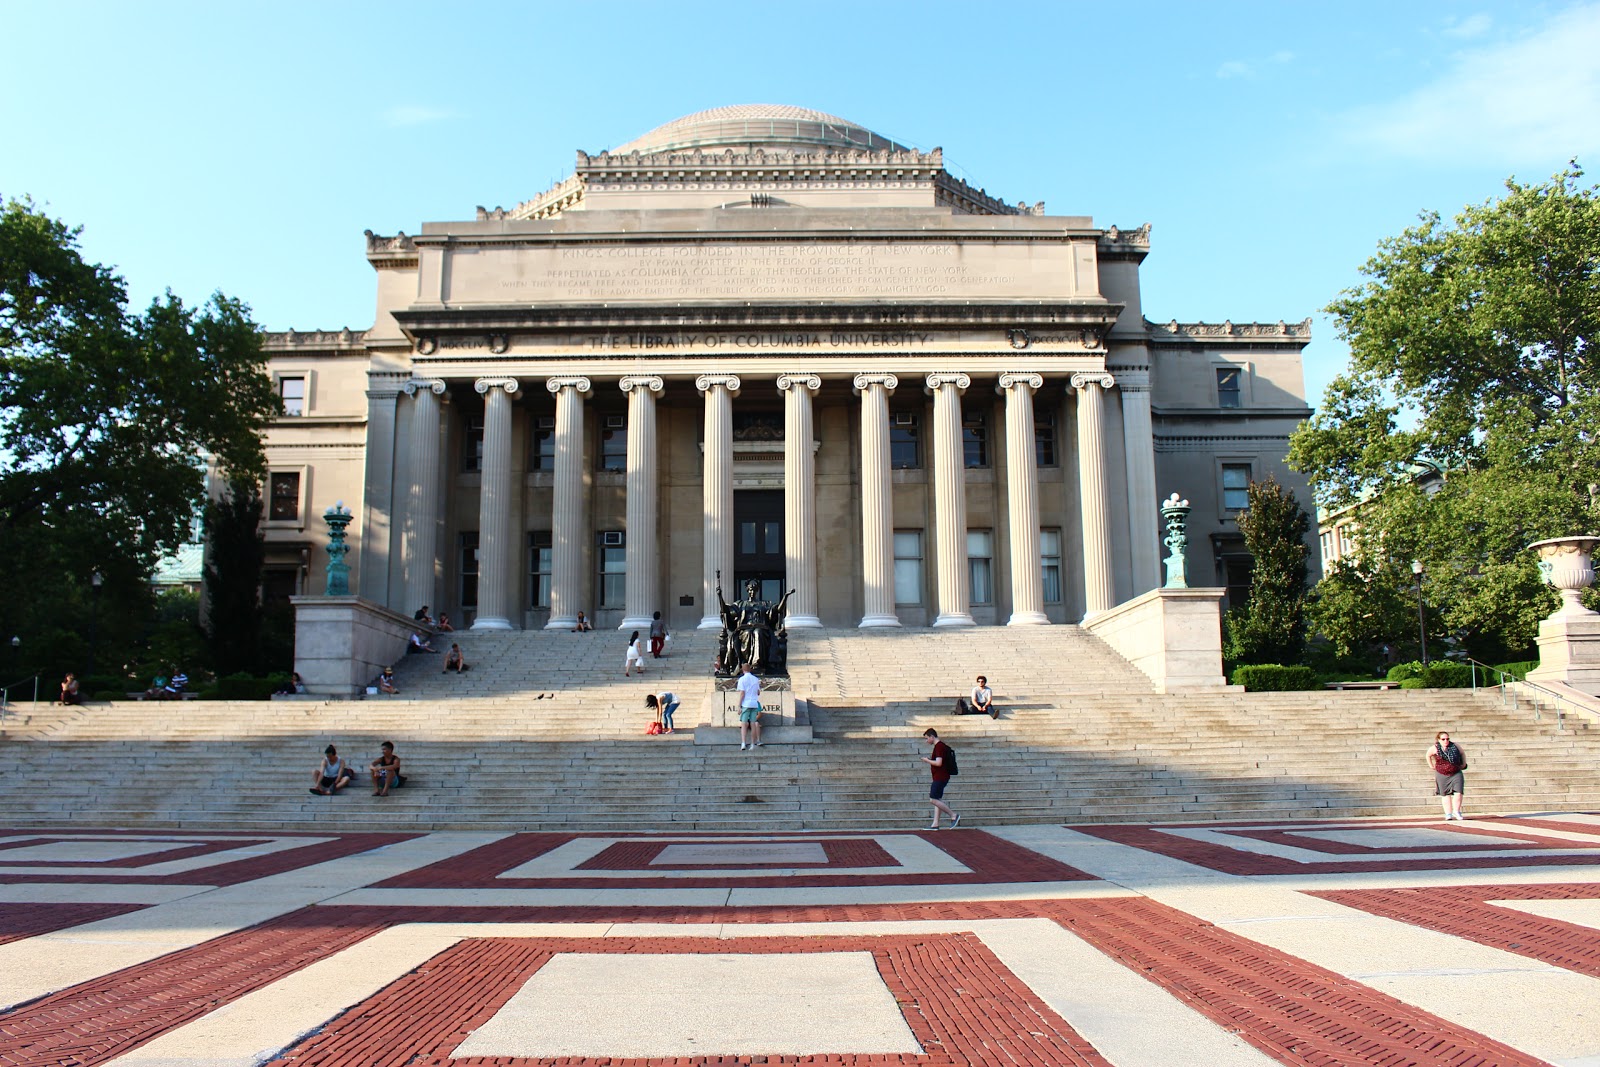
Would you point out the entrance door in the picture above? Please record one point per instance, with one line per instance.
(758, 542)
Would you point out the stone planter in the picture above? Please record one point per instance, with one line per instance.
(1568, 564)
(1569, 640)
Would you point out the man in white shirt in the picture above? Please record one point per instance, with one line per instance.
(749, 709)
(981, 701)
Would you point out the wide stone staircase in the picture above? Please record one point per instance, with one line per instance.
(544, 732)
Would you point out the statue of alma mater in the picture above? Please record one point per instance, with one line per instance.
(753, 632)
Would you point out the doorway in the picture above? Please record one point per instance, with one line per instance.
(758, 542)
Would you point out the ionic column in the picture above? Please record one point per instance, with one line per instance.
(950, 499)
(496, 570)
(719, 391)
(566, 519)
(877, 527)
(799, 500)
(1097, 585)
(1022, 486)
(1144, 528)
(422, 502)
(643, 554)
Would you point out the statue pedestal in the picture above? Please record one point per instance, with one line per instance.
(1569, 652)
(1173, 635)
(785, 719)
(342, 642)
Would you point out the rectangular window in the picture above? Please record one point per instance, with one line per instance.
(472, 444)
(908, 566)
(980, 566)
(747, 538)
(1235, 486)
(469, 568)
(284, 493)
(541, 558)
(614, 444)
(1044, 441)
(1228, 379)
(1050, 564)
(292, 391)
(612, 552)
(905, 443)
(544, 443)
(975, 442)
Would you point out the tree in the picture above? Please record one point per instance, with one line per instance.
(235, 551)
(1359, 608)
(107, 420)
(1270, 627)
(1473, 347)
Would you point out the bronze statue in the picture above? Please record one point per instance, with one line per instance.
(752, 632)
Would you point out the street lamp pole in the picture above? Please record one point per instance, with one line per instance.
(1422, 618)
(96, 580)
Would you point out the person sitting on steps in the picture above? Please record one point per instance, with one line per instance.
(453, 660)
(981, 702)
(583, 626)
(385, 682)
(418, 643)
(386, 771)
(443, 625)
(332, 774)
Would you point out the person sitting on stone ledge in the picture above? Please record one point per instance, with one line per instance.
(583, 625)
(69, 690)
(332, 774)
(443, 625)
(422, 616)
(453, 660)
(418, 644)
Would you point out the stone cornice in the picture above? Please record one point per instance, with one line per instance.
(300, 341)
(1176, 332)
(391, 253)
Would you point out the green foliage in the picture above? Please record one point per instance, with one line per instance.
(1473, 346)
(1440, 674)
(245, 686)
(1359, 606)
(1275, 678)
(233, 577)
(1271, 626)
(1518, 670)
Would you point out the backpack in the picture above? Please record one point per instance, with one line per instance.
(950, 758)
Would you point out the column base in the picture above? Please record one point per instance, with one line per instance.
(562, 622)
(869, 621)
(802, 622)
(710, 622)
(1029, 618)
(636, 622)
(491, 622)
(953, 618)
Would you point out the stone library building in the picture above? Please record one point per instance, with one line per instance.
(768, 343)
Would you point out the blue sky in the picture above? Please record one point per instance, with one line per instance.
(246, 147)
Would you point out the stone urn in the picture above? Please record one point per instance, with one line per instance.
(1567, 563)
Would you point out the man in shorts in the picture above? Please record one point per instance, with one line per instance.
(940, 762)
(749, 709)
(386, 771)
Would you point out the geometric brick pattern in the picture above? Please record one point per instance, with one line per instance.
(18, 921)
(961, 1003)
(988, 858)
(166, 853)
(319, 849)
(642, 856)
(1464, 911)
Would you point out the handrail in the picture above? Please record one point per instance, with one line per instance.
(1515, 683)
(5, 694)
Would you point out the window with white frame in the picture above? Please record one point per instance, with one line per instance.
(908, 566)
(541, 560)
(1050, 565)
(612, 556)
(1229, 390)
(292, 391)
(905, 442)
(980, 566)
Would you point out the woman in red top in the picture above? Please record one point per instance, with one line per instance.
(939, 762)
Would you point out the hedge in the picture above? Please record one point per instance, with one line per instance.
(244, 686)
(1274, 678)
(1443, 674)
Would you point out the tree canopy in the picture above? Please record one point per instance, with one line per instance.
(1270, 627)
(108, 418)
(1472, 346)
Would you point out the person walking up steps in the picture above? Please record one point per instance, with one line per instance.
(635, 655)
(942, 761)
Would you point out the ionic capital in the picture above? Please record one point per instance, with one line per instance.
(863, 382)
(650, 382)
(938, 380)
(483, 385)
(432, 385)
(707, 382)
(809, 382)
(579, 383)
(1028, 380)
(1084, 379)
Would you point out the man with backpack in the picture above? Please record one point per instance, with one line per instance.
(942, 762)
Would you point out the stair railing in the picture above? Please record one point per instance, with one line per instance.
(5, 697)
(1515, 686)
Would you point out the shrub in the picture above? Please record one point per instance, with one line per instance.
(1402, 671)
(1444, 674)
(1518, 670)
(245, 686)
(1273, 678)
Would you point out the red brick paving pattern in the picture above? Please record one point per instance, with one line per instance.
(1465, 912)
(991, 859)
(18, 921)
(1478, 838)
(983, 1017)
(1218, 857)
(236, 871)
(641, 855)
(172, 851)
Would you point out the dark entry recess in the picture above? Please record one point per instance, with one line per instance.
(758, 542)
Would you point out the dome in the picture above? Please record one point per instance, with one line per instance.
(758, 124)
